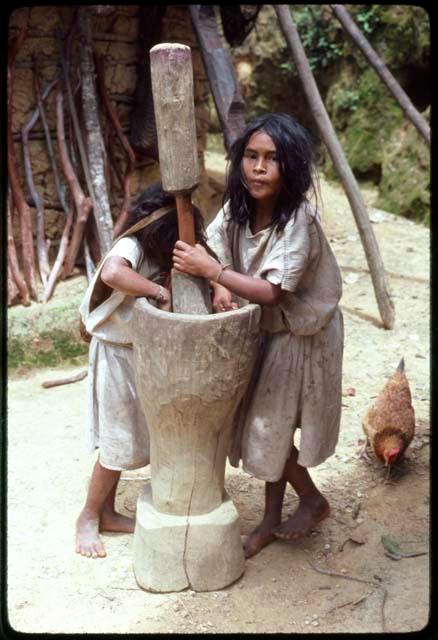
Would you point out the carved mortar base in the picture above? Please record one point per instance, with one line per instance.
(191, 372)
(173, 553)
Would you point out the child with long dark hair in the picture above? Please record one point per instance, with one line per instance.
(273, 251)
(138, 264)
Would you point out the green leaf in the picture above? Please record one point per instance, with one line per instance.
(391, 546)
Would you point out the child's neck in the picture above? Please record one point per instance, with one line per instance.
(263, 216)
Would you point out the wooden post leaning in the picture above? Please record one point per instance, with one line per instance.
(191, 372)
(340, 162)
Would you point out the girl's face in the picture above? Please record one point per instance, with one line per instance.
(261, 168)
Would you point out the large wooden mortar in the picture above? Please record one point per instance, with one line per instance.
(191, 372)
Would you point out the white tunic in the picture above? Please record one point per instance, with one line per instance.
(111, 320)
(297, 379)
(115, 421)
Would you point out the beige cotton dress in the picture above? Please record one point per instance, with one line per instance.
(297, 378)
(115, 421)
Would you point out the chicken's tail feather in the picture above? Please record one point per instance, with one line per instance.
(401, 366)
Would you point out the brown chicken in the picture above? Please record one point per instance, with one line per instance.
(389, 424)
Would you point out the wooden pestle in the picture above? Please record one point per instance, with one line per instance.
(172, 90)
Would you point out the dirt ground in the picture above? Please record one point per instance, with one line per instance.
(283, 589)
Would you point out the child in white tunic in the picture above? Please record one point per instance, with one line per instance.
(273, 251)
(137, 265)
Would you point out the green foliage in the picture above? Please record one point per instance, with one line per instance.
(349, 100)
(364, 115)
(50, 349)
(402, 36)
(285, 66)
(368, 18)
(261, 104)
(320, 43)
(405, 184)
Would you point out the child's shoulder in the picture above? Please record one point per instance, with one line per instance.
(126, 244)
(304, 216)
(224, 214)
(221, 220)
(126, 241)
(129, 248)
(309, 212)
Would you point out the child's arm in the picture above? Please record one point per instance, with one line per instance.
(118, 274)
(197, 262)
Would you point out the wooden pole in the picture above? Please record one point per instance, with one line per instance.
(328, 134)
(115, 122)
(186, 230)
(382, 70)
(60, 188)
(13, 293)
(81, 202)
(230, 105)
(27, 247)
(42, 250)
(13, 265)
(95, 147)
(62, 251)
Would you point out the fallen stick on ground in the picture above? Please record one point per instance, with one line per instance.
(341, 575)
(344, 604)
(60, 381)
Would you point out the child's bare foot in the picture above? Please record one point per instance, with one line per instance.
(88, 542)
(257, 539)
(309, 512)
(112, 521)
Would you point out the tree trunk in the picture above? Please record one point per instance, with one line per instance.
(382, 70)
(328, 134)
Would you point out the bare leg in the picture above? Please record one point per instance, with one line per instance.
(312, 508)
(262, 535)
(100, 495)
(110, 520)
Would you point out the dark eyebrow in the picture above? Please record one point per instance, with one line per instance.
(256, 150)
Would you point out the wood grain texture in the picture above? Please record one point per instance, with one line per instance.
(172, 88)
(191, 372)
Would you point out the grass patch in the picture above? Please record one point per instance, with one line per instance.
(49, 349)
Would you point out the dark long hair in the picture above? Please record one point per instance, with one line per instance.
(158, 238)
(296, 155)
